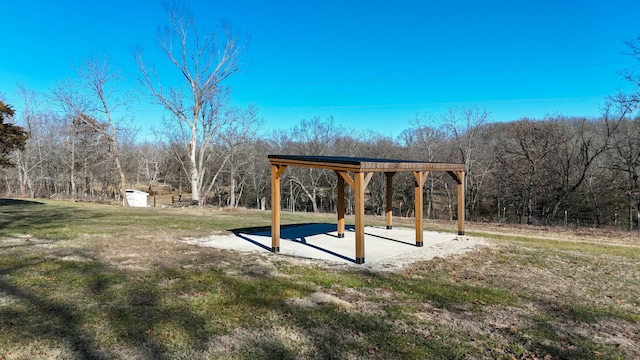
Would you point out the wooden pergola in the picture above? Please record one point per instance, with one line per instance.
(362, 170)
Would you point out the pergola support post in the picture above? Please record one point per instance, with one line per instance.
(359, 185)
(458, 176)
(388, 214)
(461, 203)
(276, 171)
(340, 206)
(420, 177)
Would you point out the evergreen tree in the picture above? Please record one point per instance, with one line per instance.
(12, 137)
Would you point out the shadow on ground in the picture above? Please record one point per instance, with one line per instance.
(317, 240)
(43, 220)
(294, 232)
(11, 202)
(297, 233)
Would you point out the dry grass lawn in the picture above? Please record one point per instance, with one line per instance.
(83, 281)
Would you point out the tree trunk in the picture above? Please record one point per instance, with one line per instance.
(193, 172)
(72, 173)
(232, 187)
(123, 182)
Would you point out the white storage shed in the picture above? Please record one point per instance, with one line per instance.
(137, 198)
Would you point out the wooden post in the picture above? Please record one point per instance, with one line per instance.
(359, 200)
(418, 206)
(276, 171)
(340, 206)
(460, 202)
(389, 200)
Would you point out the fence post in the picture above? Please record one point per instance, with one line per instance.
(565, 218)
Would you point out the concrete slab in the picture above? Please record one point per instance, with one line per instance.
(320, 241)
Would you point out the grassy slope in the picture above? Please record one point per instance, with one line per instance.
(96, 281)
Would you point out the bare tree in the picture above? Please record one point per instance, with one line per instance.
(625, 149)
(523, 160)
(312, 137)
(629, 102)
(148, 163)
(73, 106)
(624, 161)
(259, 170)
(29, 161)
(203, 63)
(97, 76)
(466, 127)
(240, 128)
(425, 142)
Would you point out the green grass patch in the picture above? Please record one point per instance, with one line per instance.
(57, 220)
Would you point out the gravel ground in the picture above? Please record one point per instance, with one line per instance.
(385, 250)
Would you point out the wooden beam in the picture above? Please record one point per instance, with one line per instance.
(461, 203)
(280, 170)
(367, 178)
(389, 200)
(276, 171)
(346, 177)
(359, 202)
(455, 176)
(423, 177)
(340, 206)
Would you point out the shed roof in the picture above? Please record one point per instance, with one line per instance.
(136, 191)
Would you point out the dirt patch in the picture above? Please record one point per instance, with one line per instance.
(318, 299)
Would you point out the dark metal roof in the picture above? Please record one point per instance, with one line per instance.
(361, 163)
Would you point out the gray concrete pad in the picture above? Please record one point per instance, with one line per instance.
(320, 241)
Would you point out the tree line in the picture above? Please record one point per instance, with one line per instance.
(531, 171)
(555, 170)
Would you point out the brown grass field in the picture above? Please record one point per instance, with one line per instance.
(86, 281)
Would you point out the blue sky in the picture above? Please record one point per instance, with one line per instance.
(372, 65)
